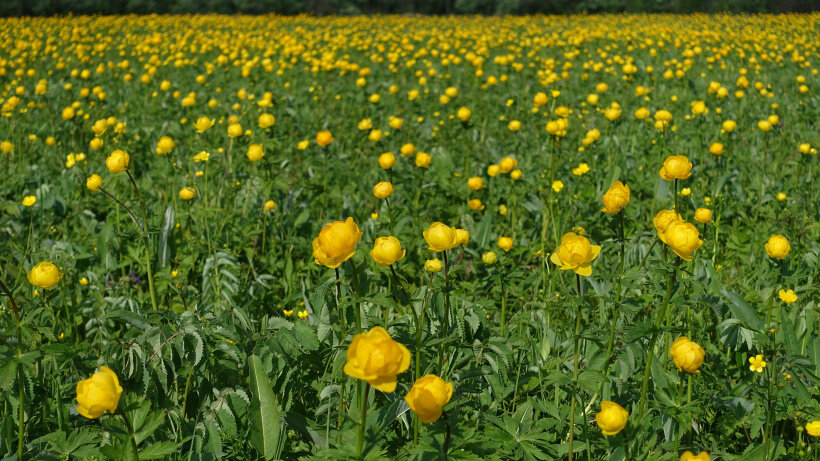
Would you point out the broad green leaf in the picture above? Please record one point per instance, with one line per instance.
(264, 411)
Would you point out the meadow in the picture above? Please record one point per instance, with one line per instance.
(587, 237)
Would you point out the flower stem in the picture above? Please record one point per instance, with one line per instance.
(147, 241)
(446, 311)
(363, 422)
(575, 368)
(132, 441)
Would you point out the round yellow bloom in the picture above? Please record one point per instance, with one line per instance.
(29, 200)
(462, 237)
(202, 124)
(729, 126)
(662, 221)
(433, 265)
(813, 428)
(383, 190)
(423, 160)
(689, 456)
(266, 121)
(407, 150)
(489, 257)
(787, 296)
(540, 99)
(716, 148)
(683, 238)
(515, 175)
(375, 135)
(336, 243)
(514, 125)
(98, 394)
(777, 247)
(165, 145)
(575, 253)
(764, 126)
(781, 196)
(117, 162)
(428, 396)
(187, 193)
(6, 147)
(68, 113)
(687, 355)
(255, 152)
(475, 183)
(703, 215)
(269, 205)
(323, 138)
(493, 170)
(235, 130)
(463, 114)
(505, 243)
(386, 251)
(387, 160)
(95, 143)
(475, 204)
(616, 197)
(507, 164)
(676, 167)
(44, 275)
(374, 357)
(94, 182)
(440, 237)
(612, 417)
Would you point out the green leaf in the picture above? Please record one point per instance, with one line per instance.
(264, 411)
(742, 310)
(158, 450)
(164, 249)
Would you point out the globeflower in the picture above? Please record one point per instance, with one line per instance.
(255, 152)
(428, 396)
(117, 162)
(383, 190)
(440, 237)
(575, 253)
(202, 124)
(687, 355)
(387, 251)
(336, 243)
(187, 193)
(505, 243)
(813, 428)
(98, 394)
(616, 197)
(94, 182)
(376, 358)
(683, 238)
(44, 275)
(612, 417)
(662, 221)
(433, 265)
(165, 145)
(703, 215)
(676, 167)
(689, 456)
(323, 138)
(777, 247)
(266, 121)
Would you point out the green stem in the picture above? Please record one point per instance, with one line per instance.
(575, 368)
(133, 443)
(644, 385)
(147, 237)
(626, 446)
(342, 337)
(363, 422)
(390, 215)
(446, 311)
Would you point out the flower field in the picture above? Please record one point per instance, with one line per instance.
(461, 238)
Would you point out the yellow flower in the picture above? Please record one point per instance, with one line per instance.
(557, 185)
(423, 160)
(165, 145)
(462, 237)
(235, 130)
(515, 175)
(94, 182)
(187, 193)
(505, 243)
(287, 313)
(787, 296)
(302, 145)
(428, 396)
(323, 138)
(689, 456)
(781, 196)
(612, 417)
(475, 204)
(703, 215)
(764, 126)
(374, 357)
(255, 152)
(29, 200)
(375, 135)
(407, 150)
(507, 164)
(687, 355)
(98, 394)
(676, 167)
(433, 265)
(44, 275)
(662, 221)
(716, 148)
(440, 237)
(475, 183)
(463, 114)
(365, 124)
(683, 238)
(6, 147)
(203, 123)
(777, 247)
(616, 197)
(581, 169)
(83, 281)
(757, 363)
(540, 99)
(729, 126)
(269, 205)
(575, 253)
(387, 251)
(813, 428)
(383, 190)
(117, 162)
(303, 314)
(336, 243)
(387, 160)
(489, 257)
(266, 121)
(686, 192)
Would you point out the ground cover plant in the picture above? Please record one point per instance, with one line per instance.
(570, 237)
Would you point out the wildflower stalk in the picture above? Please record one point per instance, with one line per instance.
(446, 310)
(147, 238)
(342, 337)
(21, 379)
(575, 366)
(363, 422)
(132, 443)
(650, 350)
